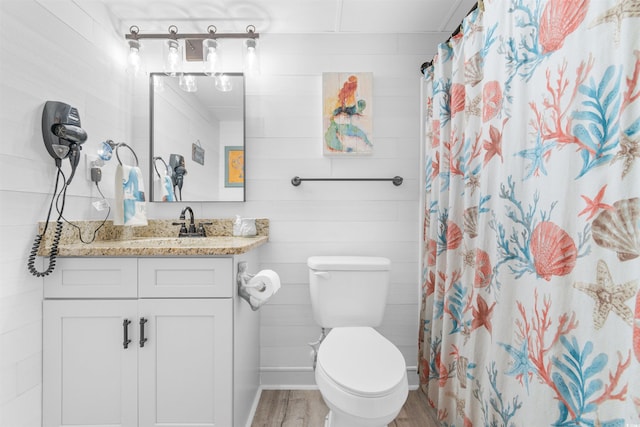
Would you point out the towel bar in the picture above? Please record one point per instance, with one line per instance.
(397, 180)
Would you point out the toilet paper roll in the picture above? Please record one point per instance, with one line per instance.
(262, 287)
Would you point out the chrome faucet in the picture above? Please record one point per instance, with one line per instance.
(191, 231)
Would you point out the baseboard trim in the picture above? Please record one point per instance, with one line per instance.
(411, 369)
(290, 387)
(254, 407)
(309, 387)
(302, 378)
(286, 369)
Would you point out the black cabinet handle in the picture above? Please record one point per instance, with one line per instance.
(142, 338)
(125, 332)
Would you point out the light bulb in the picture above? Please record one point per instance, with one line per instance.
(134, 58)
(211, 57)
(172, 58)
(223, 83)
(134, 63)
(188, 83)
(251, 61)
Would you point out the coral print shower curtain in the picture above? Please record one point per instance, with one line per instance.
(531, 266)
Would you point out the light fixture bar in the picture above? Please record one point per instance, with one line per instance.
(197, 36)
(173, 34)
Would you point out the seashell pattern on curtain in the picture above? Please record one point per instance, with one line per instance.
(531, 231)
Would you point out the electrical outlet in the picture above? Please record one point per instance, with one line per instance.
(92, 162)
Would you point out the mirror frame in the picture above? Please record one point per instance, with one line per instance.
(152, 197)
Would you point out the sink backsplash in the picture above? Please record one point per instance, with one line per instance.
(155, 228)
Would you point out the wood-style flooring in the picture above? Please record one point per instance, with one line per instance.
(305, 408)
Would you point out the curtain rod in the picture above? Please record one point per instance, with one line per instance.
(428, 64)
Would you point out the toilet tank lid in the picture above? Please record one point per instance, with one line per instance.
(349, 263)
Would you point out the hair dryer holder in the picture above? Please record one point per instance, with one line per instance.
(62, 133)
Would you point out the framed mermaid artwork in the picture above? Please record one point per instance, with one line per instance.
(347, 113)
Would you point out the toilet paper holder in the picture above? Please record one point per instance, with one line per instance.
(242, 279)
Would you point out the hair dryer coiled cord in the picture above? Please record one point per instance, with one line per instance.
(52, 254)
(58, 198)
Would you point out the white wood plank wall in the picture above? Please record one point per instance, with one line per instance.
(42, 58)
(284, 139)
(46, 56)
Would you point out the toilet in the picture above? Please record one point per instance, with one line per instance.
(361, 375)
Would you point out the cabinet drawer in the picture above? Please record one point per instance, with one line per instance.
(185, 277)
(92, 278)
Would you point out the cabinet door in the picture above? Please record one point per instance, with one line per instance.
(89, 378)
(185, 278)
(185, 367)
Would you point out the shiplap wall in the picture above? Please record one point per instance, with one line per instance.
(44, 58)
(284, 139)
(56, 51)
(327, 218)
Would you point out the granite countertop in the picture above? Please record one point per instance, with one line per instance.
(158, 238)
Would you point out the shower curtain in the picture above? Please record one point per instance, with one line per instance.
(531, 238)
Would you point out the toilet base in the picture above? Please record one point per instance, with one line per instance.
(334, 419)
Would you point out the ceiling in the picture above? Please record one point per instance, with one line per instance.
(291, 16)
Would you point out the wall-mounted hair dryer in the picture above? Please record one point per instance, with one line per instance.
(178, 171)
(62, 133)
(63, 138)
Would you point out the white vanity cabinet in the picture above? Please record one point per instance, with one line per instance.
(148, 342)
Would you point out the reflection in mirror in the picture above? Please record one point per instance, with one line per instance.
(197, 138)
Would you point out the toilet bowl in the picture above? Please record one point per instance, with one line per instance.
(362, 377)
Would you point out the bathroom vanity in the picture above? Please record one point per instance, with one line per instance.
(150, 332)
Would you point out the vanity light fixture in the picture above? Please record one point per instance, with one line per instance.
(251, 60)
(211, 58)
(212, 61)
(203, 47)
(134, 63)
(172, 54)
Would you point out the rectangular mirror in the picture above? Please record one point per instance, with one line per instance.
(197, 138)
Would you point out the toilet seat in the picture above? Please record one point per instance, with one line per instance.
(361, 362)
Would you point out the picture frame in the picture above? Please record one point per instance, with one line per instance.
(197, 152)
(233, 166)
(347, 113)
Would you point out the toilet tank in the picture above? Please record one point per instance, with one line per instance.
(348, 290)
